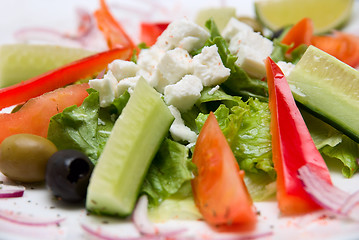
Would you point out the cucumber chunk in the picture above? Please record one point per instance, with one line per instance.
(328, 88)
(19, 62)
(133, 143)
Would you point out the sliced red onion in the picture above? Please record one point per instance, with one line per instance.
(140, 217)
(46, 35)
(85, 23)
(145, 226)
(329, 196)
(8, 191)
(326, 195)
(10, 216)
(351, 206)
(87, 35)
(101, 235)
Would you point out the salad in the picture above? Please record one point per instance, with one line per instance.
(165, 108)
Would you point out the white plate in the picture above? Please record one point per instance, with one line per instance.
(37, 201)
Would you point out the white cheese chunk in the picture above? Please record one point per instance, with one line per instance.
(173, 66)
(286, 67)
(233, 27)
(251, 49)
(209, 68)
(106, 88)
(184, 34)
(213, 90)
(126, 84)
(178, 130)
(184, 94)
(123, 69)
(149, 58)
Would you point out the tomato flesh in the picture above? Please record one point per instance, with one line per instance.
(219, 189)
(34, 116)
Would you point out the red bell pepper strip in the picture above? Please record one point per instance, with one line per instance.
(112, 30)
(292, 146)
(60, 77)
(219, 190)
(151, 31)
(300, 33)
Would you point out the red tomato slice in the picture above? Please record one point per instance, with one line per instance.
(34, 116)
(300, 33)
(219, 190)
(292, 146)
(343, 46)
(151, 31)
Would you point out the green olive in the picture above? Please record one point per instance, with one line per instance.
(257, 27)
(23, 157)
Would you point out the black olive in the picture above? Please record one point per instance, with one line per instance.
(277, 34)
(67, 175)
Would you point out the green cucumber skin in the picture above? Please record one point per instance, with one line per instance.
(19, 62)
(133, 143)
(333, 123)
(333, 97)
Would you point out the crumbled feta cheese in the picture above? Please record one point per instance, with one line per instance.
(233, 27)
(123, 69)
(179, 131)
(106, 88)
(184, 94)
(209, 68)
(286, 67)
(172, 67)
(213, 90)
(251, 49)
(126, 84)
(146, 75)
(184, 34)
(149, 58)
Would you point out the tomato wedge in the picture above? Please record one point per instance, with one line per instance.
(292, 146)
(219, 190)
(300, 33)
(34, 116)
(114, 33)
(151, 31)
(60, 77)
(343, 46)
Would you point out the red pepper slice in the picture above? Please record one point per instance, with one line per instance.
(151, 31)
(60, 77)
(292, 146)
(111, 29)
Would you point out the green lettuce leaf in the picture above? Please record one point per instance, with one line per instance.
(322, 133)
(246, 126)
(238, 83)
(86, 128)
(347, 152)
(333, 144)
(169, 174)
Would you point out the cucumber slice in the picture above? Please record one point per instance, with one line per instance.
(133, 143)
(19, 62)
(220, 15)
(329, 88)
